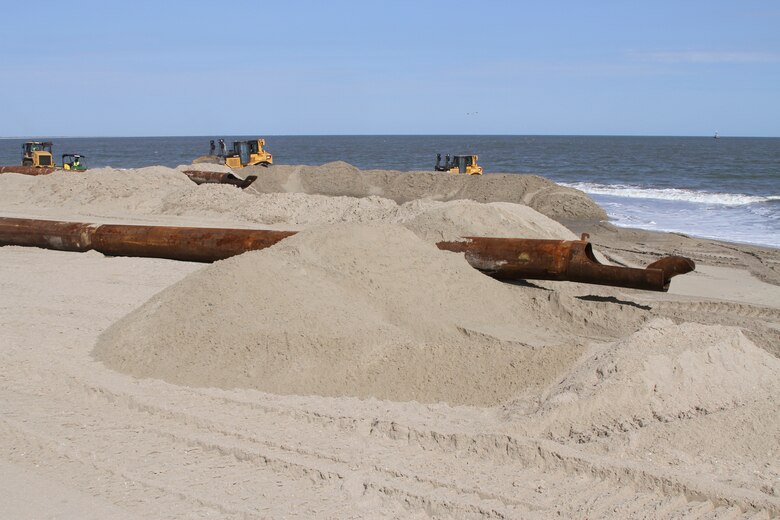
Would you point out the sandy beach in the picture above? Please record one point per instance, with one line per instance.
(355, 371)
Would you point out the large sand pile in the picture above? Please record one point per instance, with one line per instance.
(358, 310)
(340, 178)
(663, 372)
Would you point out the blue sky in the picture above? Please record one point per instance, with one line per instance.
(404, 67)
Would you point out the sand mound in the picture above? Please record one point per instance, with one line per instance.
(295, 209)
(431, 220)
(358, 310)
(340, 178)
(159, 191)
(436, 221)
(134, 190)
(661, 373)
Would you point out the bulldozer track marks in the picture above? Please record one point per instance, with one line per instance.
(245, 453)
(713, 307)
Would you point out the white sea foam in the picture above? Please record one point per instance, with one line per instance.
(748, 223)
(677, 194)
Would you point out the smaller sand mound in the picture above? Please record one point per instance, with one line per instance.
(661, 373)
(358, 310)
(99, 189)
(293, 209)
(437, 221)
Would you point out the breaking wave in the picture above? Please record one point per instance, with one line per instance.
(677, 194)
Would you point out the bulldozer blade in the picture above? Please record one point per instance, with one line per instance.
(26, 170)
(501, 258)
(199, 177)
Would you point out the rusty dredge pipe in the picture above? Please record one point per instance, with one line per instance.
(501, 258)
(566, 260)
(176, 243)
(200, 177)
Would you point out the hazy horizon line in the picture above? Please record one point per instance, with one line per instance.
(46, 137)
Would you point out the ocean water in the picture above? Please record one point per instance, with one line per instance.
(726, 189)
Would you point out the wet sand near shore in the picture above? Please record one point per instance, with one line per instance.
(138, 388)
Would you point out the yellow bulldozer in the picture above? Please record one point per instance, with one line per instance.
(37, 154)
(243, 153)
(459, 164)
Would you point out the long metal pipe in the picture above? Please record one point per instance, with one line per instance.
(200, 177)
(47, 234)
(182, 243)
(569, 260)
(501, 258)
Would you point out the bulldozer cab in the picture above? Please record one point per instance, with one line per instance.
(240, 154)
(462, 162)
(459, 164)
(249, 153)
(74, 161)
(37, 154)
(241, 149)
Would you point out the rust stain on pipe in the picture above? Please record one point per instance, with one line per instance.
(501, 258)
(199, 177)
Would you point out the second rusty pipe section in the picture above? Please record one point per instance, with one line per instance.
(566, 260)
(203, 177)
(501, 258)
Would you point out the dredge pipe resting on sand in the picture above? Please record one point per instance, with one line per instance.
(203, 177)
(564, 260)
(501, 258)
